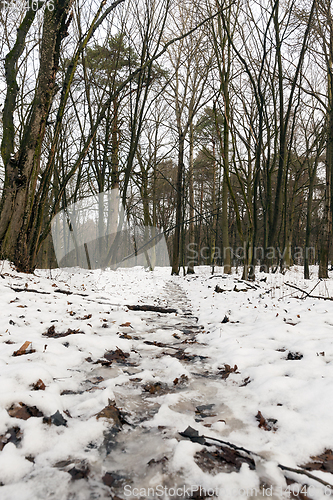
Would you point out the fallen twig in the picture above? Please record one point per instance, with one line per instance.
(65, 292)
(306, 473)
(307, 294)
(28, 290)
(151, 308)
(194, 436)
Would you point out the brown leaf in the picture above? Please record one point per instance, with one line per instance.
(126, 324)
(51, 333)
(227, 370)
(153, 388)
(323, 462)
(118, 355)
(24, 349)
(246, 381)
(39, 385)
(125, 336)
(108, 479)
(24, 411)
(223, 459)
(181, 355)
(114, 480)
(182, 380)
(111, 412)
(266, 424)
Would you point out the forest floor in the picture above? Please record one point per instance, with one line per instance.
(219, 389)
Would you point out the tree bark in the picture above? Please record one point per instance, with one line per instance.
(179, 199)
(22, 168)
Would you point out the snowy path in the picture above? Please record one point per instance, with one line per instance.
(120, 385)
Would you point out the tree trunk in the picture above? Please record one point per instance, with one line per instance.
(179, 198)
(22, 168)
(190, 268)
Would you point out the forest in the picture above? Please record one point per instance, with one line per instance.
(211, 120)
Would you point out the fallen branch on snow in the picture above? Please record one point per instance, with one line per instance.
(152, 308)
(308, 294)
(194, 436)
(306, 473)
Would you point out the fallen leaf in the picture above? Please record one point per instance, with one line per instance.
(323, 462)
(181, 355)
(223, 459)
(23, 411)
(24, 349)
(51, 333)
(153, 388)
(79, 472)
(85, 317)
(246, 381)
(266, 424)
(294, 355)
(108, 479)
(227, 370)
(112, 479)
(39, 385)
(118, 355)
(125, 336)
(180, 381)
(126, 324)
(111, 412)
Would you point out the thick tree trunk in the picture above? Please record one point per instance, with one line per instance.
(22, 168)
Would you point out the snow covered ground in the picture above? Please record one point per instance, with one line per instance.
(93, 394)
